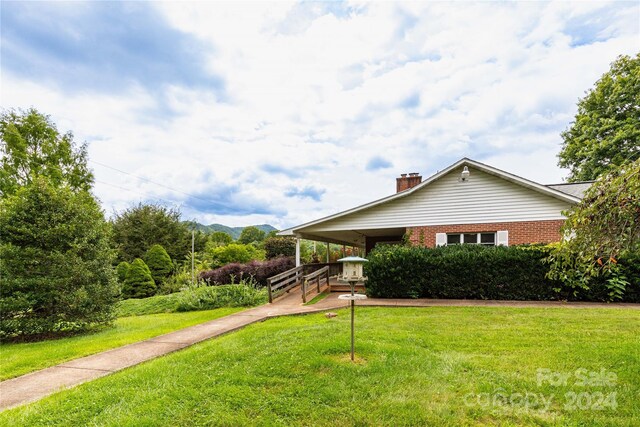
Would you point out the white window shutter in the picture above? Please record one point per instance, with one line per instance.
(441, 239)
(502, 238)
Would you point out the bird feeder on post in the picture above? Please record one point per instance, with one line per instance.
(352, 273)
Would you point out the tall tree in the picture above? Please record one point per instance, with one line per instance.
(32, 146)
(606, 130)
(251, 234)
(138, 228)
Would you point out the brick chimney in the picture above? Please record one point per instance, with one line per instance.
(405, 182)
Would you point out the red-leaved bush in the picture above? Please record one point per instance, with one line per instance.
(260, 271)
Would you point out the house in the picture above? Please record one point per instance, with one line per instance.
(468, 202)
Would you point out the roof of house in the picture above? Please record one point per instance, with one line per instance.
(576, 189)
(567, 192)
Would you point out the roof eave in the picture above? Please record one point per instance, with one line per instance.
(464, 161)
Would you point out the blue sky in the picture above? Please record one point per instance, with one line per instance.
(245, 113)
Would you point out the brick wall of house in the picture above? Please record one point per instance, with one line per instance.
(519, 232)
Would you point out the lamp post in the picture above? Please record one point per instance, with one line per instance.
(352, 273)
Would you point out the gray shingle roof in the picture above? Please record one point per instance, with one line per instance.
(576, 189)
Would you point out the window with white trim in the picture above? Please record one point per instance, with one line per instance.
(486, 239)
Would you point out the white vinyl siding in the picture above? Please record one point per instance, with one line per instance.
(483, 198)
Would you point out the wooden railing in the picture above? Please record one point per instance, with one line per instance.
(335, 268)
(320, 277)
(283, 282)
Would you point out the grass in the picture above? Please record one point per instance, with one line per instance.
(415, 366)
(138, 319)
(21, 358)
(317, 298)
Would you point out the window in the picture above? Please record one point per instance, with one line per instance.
(487, 239)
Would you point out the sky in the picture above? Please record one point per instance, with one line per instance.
(246, 113)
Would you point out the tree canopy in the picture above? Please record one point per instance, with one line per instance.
(606, 129)
(251, 234)
(138, 228)
(32, 146)
(55, 262)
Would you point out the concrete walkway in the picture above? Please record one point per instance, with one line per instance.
(36, 385)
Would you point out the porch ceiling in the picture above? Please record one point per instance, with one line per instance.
(349, 237)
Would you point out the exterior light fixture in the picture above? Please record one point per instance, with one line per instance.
(352, 272)
(465, 174)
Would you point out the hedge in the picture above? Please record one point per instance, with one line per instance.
(477, 272)
(260, 271)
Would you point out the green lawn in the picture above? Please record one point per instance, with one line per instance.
(19, 359)
(415, 366)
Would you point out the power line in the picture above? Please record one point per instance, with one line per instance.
(141, 193)
(150, 181)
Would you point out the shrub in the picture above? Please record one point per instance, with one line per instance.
(138, 283)
(259, 271)
(462, 271)
(121, 271)
(234, 252)
(55, 262)
(244, 294)
(159, 263)
(177, 281)
(279, 246)
(604, 229)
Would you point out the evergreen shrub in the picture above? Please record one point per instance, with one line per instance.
(159, 263)
(121, 271)
(56, 266)
(138, 283)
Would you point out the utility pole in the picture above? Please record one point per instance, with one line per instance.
(193, 257)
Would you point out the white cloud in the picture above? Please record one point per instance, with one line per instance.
(322, 88)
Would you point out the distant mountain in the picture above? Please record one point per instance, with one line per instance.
(231, 231)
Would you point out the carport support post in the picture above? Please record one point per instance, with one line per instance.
(297, 252)
(327, 252)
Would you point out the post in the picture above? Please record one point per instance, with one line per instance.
(269, 290)
(353, 304)
(352, 331)
(297, 252)
(327, 252)
(193, 257)
(304, 291)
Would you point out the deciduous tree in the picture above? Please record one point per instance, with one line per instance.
(251, 234)
(606, 130)
(32, 146)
